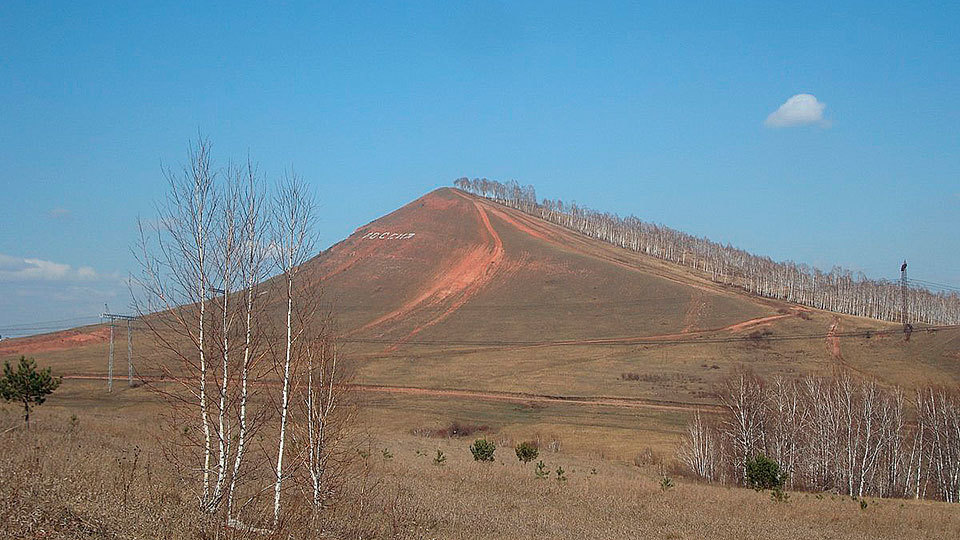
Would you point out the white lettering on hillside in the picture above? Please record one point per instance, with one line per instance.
(387, 236)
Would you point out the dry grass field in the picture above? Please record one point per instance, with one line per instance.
(488, 318)
(91, 468)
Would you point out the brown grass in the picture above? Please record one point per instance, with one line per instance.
(103, 477)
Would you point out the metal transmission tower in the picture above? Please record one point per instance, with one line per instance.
(114, 317)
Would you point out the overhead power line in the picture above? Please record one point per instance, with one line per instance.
(932, 284)
(47, 324)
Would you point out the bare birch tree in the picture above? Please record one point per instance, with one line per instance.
(328, 414)
(841, 433)
(173, 253)
(293, 221)
(787, 419)
(742, 395)
(205, 263)
(206, 243)
(252, 270)
(699, 449)
(939, 411)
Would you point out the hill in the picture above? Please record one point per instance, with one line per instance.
(456, 268)
(457, 291)
(455, 306)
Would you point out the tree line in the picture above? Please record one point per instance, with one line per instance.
(258, 419)
(838, 433)
(839, 290)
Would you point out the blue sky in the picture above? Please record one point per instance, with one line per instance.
(659, 110)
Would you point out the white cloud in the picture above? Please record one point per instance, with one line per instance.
(25, 269)
(34, 289)
(799, 110)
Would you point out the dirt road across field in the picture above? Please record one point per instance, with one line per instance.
(511, 397)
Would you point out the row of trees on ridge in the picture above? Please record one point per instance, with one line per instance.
(838, 290)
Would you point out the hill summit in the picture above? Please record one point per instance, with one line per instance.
(458, 268)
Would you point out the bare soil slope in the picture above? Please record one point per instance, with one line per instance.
(476, 272)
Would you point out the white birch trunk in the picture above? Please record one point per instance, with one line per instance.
(242, 434)
(284, 405)
(205, 423)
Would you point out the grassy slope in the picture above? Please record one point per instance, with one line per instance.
(541, 283)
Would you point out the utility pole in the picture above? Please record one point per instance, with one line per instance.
(904, 313)
(114, 317)
(129, 356)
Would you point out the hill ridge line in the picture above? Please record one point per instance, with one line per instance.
(837, 291)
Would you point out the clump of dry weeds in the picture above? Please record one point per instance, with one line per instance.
(454, 429)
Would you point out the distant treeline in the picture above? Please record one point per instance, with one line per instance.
(838, 290)
(840, 434)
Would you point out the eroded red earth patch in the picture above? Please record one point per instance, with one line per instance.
(56, 341)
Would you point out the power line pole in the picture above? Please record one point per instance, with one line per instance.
(903, 293)
(904, 313)
(129, 356)
(114, 317)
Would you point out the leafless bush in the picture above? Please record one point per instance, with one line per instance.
(453, 430)
(550, 443)
(648, 458)
(658, 378)
(758, 338)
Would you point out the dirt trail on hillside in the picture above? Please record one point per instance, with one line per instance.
(690, 337)
(698, 303)
(680, 335)
(833, 342)
(473, 279)
(511, 397)
(456, 285)
(757, 322)
(516, 223)
(520, 397)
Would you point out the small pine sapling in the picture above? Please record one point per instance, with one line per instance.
(482, 450)
(666, 483)
(527, 451)
(27, 385)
